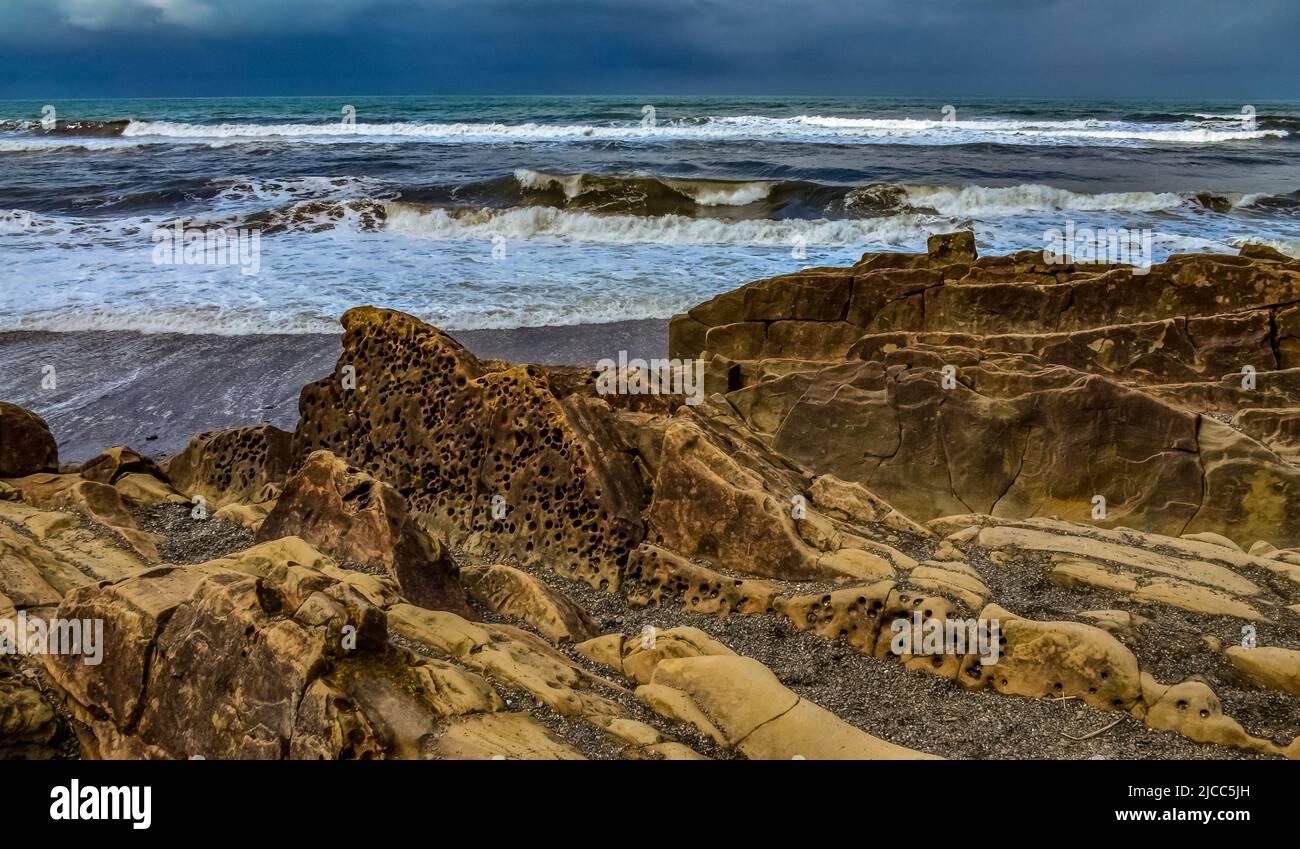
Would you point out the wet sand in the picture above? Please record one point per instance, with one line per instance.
(155, 391)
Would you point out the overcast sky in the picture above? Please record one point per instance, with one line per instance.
(1235, 49)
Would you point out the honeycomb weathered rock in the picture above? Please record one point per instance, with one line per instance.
(494, 460)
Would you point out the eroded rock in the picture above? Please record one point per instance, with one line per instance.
(351, 516)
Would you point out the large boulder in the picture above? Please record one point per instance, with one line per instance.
(727, 502)
(231, 466)
(111, 465)
(26, 444)
(493, 458)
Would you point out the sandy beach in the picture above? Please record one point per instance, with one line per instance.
(154, 391)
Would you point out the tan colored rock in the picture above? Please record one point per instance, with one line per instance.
(1173, 556)
(513, 592)
(498, 736)
(1279, 429)
(1133, 558)
(143, 490)
(350, 515)
(231, 466)
(854, 502)
(515, 657)
(1070, 572)
(854, 614)
(239, 646)
(98, 502)
(737, 694)
(249, 516)
(1073, 572)
(1121, 623)
(69, 545)
(114, 463)
(741, 700)
(630, 731)
(810, 732)
(607, 650)
(1199, 599)
(658, 576)
(949, 248)
(643, 653)
(754, 521)
(1268, 666)
(1193, 710)
(745, 527)
(493, 458)
(27, 723)
(1260, 548)
(1213, 539)
(663, 752)
(931, 575)
(30, 575)
(1054, 659)
(1249, 489)
(1038, 348)
(676, 705)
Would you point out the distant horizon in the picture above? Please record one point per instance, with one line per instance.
(631, 95)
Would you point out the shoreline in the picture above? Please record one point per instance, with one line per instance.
(155, 391)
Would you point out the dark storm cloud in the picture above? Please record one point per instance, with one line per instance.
(943, 48)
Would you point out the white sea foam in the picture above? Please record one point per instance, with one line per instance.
(796, 128)
(570, 184)
(1290, 247)
(284, 189)
(57, 144)
(15, 221)
(709, 193)
(976, 201)
(1250, 199)
(525, 223)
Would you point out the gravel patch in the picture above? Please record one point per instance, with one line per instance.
(902, 706)
(190, 540)
(1172, 645)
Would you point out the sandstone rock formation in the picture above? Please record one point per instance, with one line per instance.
(493, 457)
(1076, 482)
(351, 516)
(231, 466)
(515, 593)
(1008, 386)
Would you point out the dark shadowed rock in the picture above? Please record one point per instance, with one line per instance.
(110, 465)
(26, 444)
(350, 515)
(950, 248)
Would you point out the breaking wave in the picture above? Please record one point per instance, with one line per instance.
(525, 223)
(744, 127)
